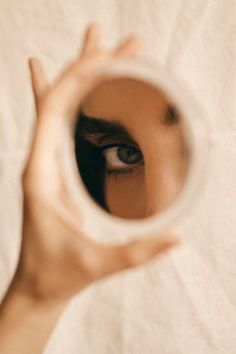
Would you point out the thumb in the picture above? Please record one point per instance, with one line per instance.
(38, 78)
(135, 253)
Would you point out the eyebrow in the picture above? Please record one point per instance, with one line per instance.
(88, 125)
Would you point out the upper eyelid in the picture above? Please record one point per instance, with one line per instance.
(101, 140)
(107, 146)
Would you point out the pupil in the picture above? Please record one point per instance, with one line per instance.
(129, 155)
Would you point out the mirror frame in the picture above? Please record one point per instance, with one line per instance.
(110, 229)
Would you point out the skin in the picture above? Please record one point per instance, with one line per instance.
(57, 260)
(158, 177)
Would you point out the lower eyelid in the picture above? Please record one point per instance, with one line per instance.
(123, 171)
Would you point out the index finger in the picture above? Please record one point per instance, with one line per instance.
(38, 77)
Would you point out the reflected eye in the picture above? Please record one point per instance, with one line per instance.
(121, 158)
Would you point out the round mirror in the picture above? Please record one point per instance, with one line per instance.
(130, 148)
(137, 154)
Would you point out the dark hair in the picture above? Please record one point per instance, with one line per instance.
(90, 164)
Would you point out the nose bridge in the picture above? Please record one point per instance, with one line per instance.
(162, 177)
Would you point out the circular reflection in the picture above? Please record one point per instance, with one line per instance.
(130, 148)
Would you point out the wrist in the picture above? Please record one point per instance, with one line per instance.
(26, 321)
(20, 301)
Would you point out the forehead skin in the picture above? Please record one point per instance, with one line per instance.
(132, 103)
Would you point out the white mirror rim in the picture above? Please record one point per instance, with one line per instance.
(107, 228)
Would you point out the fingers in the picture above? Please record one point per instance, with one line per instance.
(78, 79)
(115, 259)
(94, 56)
(38, 78)
(144, 250)
(91, 42)
(61, 100)
(128, 48)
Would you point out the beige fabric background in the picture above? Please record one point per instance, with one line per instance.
(186, 301)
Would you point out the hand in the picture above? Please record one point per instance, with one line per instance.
(57, 260)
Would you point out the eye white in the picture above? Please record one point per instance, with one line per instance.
(112, 159)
